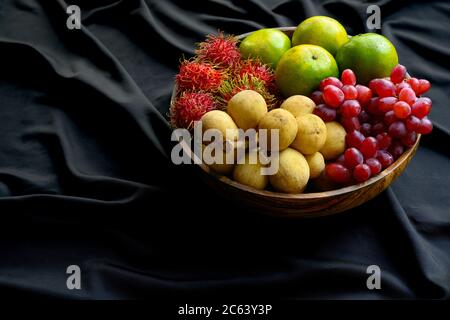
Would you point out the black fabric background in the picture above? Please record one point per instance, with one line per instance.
(85, 176)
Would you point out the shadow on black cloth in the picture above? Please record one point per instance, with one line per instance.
(85, 176)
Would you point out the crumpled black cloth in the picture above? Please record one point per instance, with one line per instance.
(86, 177)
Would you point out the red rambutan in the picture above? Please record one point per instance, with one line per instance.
(197, 76)
(190, 107)
(220, 50)
(255, 68)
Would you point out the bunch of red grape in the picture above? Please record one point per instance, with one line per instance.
(381, 120)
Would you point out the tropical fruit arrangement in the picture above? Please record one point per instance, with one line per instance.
(343, 107)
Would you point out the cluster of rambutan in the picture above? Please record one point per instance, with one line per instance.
(217, 72)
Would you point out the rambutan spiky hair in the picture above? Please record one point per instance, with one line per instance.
(190, 107)
(196, 76)
(255, 68)
(237, 84)
(220, 50)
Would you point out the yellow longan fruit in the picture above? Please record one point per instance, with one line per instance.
(311, 134)
(298, 105)
(247, 108)
(282, 120)
(293, 172)
(335, 143)
(316, 164)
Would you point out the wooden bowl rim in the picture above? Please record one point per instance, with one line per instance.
(311, 195)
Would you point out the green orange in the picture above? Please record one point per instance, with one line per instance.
(322, 31)
(369, 55)
(301, 69)
(268, 45)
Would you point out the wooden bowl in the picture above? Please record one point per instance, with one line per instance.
(304, 205)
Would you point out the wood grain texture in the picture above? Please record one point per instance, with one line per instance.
(305, 205)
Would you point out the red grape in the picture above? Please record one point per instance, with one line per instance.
(384, 88)
(389, 118)
(354, 139)
(350, 108)
(374, 165)
(398, 73)
(401, 86)
(353, 157)
(424, 86)
(372, 84)
(365, 129)
(316, 96)
(350, 124)
(425, 126)
(325, 113)
(384, 141)
(385, 158)
(381, 120)
(337, 173)
(397, 129)
(350, 92)
(372, 106)
(421, 108)
(408, 95)
(333, 96)
(369, 147)
(341, 160)
(348, 77)
(401, 109)
(364, 94)
(414, 83)
(330, 81)
(364, 116)
(377, 128)
(387, 103)
(396, 149)
(412, 123)
(362, 172)
(409, 139)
